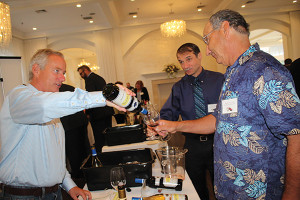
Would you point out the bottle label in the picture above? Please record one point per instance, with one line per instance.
(157, 181)
(170, 182)
(123, 99)
(134, 104)
(174, 196)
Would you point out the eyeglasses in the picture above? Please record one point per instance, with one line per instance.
(81, 72)
(205, 38)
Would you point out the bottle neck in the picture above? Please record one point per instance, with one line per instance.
(94, 152)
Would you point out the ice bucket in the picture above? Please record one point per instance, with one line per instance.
(172, 160)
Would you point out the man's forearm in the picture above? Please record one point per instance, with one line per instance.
(292, 172)
(204, 125)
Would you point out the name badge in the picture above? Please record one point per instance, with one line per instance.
(211, 107)
(229, 106)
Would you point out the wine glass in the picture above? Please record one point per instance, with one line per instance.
(151, 120)
(117, 177)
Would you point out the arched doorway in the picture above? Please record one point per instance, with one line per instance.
(74, 58)
(269, 41)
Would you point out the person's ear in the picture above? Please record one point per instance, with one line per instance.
(199, 56)
(225, 28)
(36, 69)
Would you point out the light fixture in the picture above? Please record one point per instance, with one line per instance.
(199, 8)
(173, 28)
(133, 14)
(94, 68)
(83, 63)
(91, 21)
(78, 5)
(34, 28)
(243, 6)
(295, 1)
(5, 25)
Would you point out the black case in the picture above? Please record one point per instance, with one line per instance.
(125, 134)
(136, 164)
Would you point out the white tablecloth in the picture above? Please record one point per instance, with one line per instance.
(111, 194)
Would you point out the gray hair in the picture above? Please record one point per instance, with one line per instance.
(41, 58)
(235, 19)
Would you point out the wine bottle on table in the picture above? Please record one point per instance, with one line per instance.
(95, 160)
(119, 97)
(162, 182)
(163, 197)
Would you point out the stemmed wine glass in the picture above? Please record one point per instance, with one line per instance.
(117, 177)
(151, 119)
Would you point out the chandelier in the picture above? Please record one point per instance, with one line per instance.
(93, 68)
(83, 63)
(5, 25)
(173, 28)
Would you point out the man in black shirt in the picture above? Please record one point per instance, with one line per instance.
(100, 118)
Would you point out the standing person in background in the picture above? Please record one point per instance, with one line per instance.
(32, 156)
(256, 123)
(76, 135)
(295, 71)
(129, 86)
(287, 63)
(191, 102)
(141, 92)
(100, 118)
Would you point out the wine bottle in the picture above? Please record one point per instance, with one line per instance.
(122, 192)
(163, 197)
(162, 182)
(95, 160)
(119, 97)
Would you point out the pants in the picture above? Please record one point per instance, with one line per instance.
(98, 127)
(51, 196)
(76, 149)
(198, 160)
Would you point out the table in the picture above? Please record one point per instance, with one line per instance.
(111, 194)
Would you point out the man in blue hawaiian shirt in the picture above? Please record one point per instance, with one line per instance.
(257, 120)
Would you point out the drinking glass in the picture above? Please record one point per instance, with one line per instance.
(151, 120)
(117, 177)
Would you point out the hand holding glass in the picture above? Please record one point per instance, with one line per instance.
(151, 119)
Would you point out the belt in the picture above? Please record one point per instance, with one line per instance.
(199, 137)
(36, 191)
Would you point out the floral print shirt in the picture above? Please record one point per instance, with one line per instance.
(258, 108)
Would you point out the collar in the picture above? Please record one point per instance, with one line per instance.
(242, 59)
(89, 74)
(199, 78)
(248, 54)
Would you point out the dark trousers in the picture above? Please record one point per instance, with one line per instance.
(98, 127)
(198, 160)
(76, 149)
(51, 196)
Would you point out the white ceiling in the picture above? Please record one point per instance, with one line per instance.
(63, 17)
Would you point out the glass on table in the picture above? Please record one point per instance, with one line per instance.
(117, 177)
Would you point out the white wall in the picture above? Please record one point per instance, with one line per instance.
(126, 53)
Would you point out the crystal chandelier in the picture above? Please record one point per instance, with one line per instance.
(5, 25)
(83, 63)
(173, 28)
(93, 68)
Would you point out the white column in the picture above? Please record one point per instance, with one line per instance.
(295, 30)
(106, 55)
